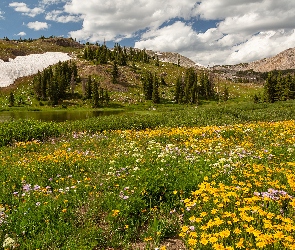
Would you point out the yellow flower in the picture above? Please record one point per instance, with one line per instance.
(192, 219)
(192, 242)
(213, 240)
(204, 241)
(184, 229)
(126, 226)
(175, 192)
(224, 233)
(203, 214)
(182, 234)
(193, 234)
(115, 212)
(218, 247)
(240, 244)
(64, 210)
(279, 235)
(261, 244)
(214, 211)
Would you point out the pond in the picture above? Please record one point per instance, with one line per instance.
(56, 116)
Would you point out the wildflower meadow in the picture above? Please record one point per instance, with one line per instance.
(210, 186)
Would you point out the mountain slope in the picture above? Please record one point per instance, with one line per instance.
(282, 61)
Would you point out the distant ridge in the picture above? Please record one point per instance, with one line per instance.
(173, 57)
(282, 61)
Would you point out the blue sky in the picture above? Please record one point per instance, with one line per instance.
(210, 32)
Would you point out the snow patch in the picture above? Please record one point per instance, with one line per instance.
(28, 65)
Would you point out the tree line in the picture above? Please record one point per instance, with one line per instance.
(101, 54)
(193, 86)
(279, 87)
(56, 82)
(98, 95)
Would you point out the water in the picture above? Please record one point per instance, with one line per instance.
(56, 116)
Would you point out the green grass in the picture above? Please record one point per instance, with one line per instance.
(95, 185)
(156, 172)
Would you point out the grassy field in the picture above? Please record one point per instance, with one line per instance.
(218, 176)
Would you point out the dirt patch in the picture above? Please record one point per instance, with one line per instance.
(170, 244)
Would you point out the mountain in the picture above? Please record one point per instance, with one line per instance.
(175, 58)
(282, 61)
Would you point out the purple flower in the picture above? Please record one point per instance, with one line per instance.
(27, 187)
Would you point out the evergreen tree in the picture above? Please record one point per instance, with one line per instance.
(106, 97)
(101, 96)
(178, 90)
(73, 84)
(190, 78)
(147, 81)
(88, 93)
(157, 63)
(11, 99)
(155, 93)
(95, 95)
(225, 93)
(115, 73)
(38, 85)
(270, 88)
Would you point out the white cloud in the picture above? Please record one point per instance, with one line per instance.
(1, 14)
(56, 15)
(247, 30)
(25, 10)
(115, 20)
(37, 25)
(268, 42)
(22, 33)
(50, 2)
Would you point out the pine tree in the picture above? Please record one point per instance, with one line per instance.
(11, 99)
(147, 81)
(157, 63)
(178, 90)
(88, 93)
(270, 88)
(73, 84)
(38, 85)
(106, 97)
(155, 93)
(95, 95)
(115, 73)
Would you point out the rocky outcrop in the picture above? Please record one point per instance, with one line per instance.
(64, 42)
(173, 57)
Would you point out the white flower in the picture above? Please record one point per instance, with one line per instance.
(8, 242)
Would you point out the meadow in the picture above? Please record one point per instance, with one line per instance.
(217, 176)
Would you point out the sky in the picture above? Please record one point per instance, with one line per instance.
(210, 32)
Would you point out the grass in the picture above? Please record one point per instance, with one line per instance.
(216, 177)
(219, 175)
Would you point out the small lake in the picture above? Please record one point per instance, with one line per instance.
(56, 116)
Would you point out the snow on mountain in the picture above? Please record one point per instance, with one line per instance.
(28, 65)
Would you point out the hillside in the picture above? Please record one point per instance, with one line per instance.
(282, 61)
(13, 48)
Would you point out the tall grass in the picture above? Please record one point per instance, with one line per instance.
(179, 116)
